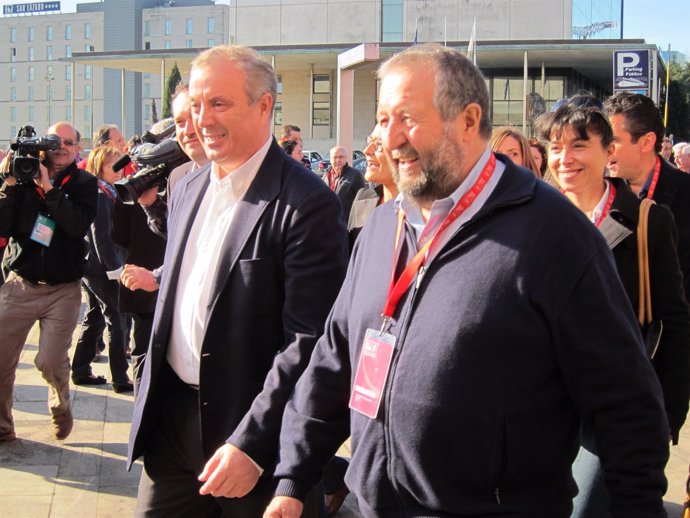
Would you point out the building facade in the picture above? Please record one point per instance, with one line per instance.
(134, 43)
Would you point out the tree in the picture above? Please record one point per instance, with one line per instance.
(154, 111)
(679, 103)
(173, 80)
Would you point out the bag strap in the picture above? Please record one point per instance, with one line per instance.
(644, 311)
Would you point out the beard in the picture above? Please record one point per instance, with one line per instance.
(437, 178)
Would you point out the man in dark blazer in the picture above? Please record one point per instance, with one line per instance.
(638, 132)
(343, 180)
(255, 256)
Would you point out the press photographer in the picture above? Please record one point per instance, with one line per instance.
(46, 214)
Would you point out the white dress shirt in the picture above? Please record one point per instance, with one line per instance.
(199, 266)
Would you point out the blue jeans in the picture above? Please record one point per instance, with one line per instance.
(592, 500)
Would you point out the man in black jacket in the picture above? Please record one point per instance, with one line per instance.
(46, 221)
(343, 180)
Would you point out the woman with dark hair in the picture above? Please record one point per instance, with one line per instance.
(580, 142)
(294, 149)
(103, 268)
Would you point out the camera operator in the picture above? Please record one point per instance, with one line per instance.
(46, 220)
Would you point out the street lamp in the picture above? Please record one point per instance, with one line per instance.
(49, 93)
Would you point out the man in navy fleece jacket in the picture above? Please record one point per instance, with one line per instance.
(506, 327)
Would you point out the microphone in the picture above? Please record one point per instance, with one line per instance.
(121, 162)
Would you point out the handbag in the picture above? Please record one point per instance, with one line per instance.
(651, 328)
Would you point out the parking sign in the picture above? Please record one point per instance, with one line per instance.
(631, 70)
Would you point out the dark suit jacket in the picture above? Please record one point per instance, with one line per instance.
(283, 260)
(144, 248)
(672, 360)
(673, 192)
(349, 183)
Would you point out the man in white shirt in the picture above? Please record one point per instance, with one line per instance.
(255, 257)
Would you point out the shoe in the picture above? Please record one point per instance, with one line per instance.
(119, 388)
(89, 379)
(8, 436)
(335, 500)
(62, 425)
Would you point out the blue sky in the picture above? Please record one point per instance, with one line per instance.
(662, 22)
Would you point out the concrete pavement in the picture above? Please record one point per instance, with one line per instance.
(85, 477)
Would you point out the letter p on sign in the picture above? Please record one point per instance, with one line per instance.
(626, 60)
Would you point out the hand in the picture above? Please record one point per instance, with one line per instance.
(43, 180)
(284, 507)
(5, 167)
(148, 197)
(229, 473)
(137, 278)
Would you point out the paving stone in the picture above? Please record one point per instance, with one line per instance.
(24, 452)
(23, 507)
(75, 496)
(116, 501)
(27, 480)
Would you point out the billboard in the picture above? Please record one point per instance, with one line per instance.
(33, 7)
(631, 70)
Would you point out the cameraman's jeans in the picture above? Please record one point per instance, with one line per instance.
(56, 307)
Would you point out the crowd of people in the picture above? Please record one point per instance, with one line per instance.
(499, 323)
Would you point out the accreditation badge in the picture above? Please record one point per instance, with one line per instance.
(372, 372)
(43, 231)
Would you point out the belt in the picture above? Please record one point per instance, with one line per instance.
(42, 282)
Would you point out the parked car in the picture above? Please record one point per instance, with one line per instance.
(360, 164)
(314, 159)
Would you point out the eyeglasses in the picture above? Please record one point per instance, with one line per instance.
(376, 141)
(68, 142)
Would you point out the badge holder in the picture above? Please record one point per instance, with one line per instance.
(43, 230)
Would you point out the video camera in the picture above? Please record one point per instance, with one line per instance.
(27, 147)
(157, 155)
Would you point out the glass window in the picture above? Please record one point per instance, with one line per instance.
(189, 26)
(147, 111)
(87, 92)
(211, 43)
(68, 94)
(32, 113)
(87, 115)
(280, 84)
(13, 131)
(49, 52)
(87, 30)
(188, 44)
(146, 75)
(68, 32)
(13, 54)
(147, 45)
(13, 93)
(49, 70)
(31, 73)
(147, 27)
(168, 44)
(392, 20)
(87, 71)
(50, 113)
(278, 114)
(49, 92)
(49, 33)
(13, 74)
(68, 51)
(211, 26)
(31, 53)
(322, 84)
(68, 72)
(322, 113)
(13, 117)
(147, 90)
(89, 48)
(32, 33)
(168, 26)
(68, 113)
(13, 35)
(30, 94)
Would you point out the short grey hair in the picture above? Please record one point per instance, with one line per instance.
(260, 76)
(458, 82)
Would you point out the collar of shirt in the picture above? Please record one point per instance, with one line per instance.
(441, 208)
(599, 209)
(236, 182)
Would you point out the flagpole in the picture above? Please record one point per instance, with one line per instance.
(668, 78)
(445, 31)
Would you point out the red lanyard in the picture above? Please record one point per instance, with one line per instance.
(607, 207)
(397, 289)
(42, 193)
(655, 178)
(106, 192)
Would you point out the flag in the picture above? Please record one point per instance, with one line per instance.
(472, 45)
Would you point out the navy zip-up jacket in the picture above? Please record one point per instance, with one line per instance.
(519, 329)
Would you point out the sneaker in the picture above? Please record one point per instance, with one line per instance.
(62, 425)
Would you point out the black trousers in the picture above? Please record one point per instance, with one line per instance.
(141, 326)
(103, 293)
(173, 459)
